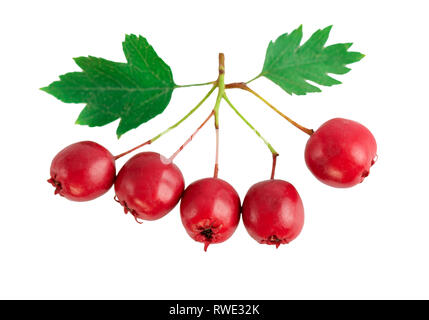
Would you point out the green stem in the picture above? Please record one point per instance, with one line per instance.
(253, 79)
(194, 84)
(273, 151)
(216, 108)
(171, 127)
(187, 115)
(221, 86)
(221, 91)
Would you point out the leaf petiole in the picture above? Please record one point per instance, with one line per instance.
(253, 79)
(194, 84)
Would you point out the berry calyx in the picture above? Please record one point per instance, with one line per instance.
(273, 212)
(149, 186)
(341, 152)
(210, 210)
(82, 171)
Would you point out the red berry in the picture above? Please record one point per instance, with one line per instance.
(149, 186)
(341, 152)
(210, 210)
(273, 212)
(82, 171)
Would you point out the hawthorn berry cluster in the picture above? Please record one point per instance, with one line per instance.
(149, 185)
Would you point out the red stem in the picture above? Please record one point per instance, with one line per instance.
(273, 170)
(216, 168)
(191, 137)
(133, 149)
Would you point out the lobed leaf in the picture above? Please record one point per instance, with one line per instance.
(134, 92)
(291, 65)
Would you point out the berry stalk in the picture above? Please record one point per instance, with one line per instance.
(171, 127)
(273, 169)
(243, 86)
(191, 137)
(270, 147)
(216, 168)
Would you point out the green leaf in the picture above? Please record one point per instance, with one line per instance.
(291, 65)
(135, 91)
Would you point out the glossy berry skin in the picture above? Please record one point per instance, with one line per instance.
(341, 152)
(83, 171)
(273, 212)
(149, 186)
(210, 210)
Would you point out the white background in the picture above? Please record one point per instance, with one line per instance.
(370, 241)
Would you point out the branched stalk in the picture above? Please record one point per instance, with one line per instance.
(170, 128)
(220, 84)
(221, 91)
